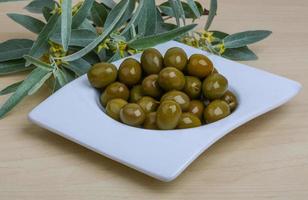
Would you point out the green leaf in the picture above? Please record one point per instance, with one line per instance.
(42, 40)
(176, 11)
(163, 27)
(86, 24)
(150, 41)
(219, 34)
(79, 67)
(109, 3)
(167, 10)
(34, 77)
(39, 84)
(116, 56)
(36, 6)
(60, 76)
(99, 14)
(13, 66)
(194, 8)
(32, 24)
(47, 13)
(241, 53)
(244, 38)
(100, 38)
(38, 63)
(136, 17)
(11, 88)
(82, 13)
(14, 49)
(212, 13)
(66, 23)
(79, 37)
(149, 8)
(3, 1)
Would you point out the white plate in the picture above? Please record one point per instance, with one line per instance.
(74, 113)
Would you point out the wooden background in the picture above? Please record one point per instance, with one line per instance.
(265, 159)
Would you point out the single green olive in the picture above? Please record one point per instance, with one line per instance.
(231, 99)
(113, 91)
(148, 104)
(214, 86)
(196, 107)
(188, 120)
(175, 57)
(180, 97)
(130, 72)
(150, 121)
(199, 65)
(102, 74)
(132, 114)
(113, 108)
(171, 78)
(150, 86)
(168, 115)
(136, 93)
(192, 87)
(216, 110)
(151, 61)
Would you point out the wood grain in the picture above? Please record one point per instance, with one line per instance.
(265, 159)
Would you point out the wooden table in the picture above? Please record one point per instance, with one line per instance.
(265, 159)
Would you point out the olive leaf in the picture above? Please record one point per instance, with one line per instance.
(135, 19)
(109, 3)
(36, 6)
(79, 67)
(178, 11)
(244, 38)
(34, 77)
(60, 76)
(241, 53)
(47, 13)
(82, 13)
(32, 24)
(79, 37)
(39, 84)
(99, 14)
(194, 8)
(11, 88)
(189, 13)
(115, 57)
(13, 66)
(150, 16)
(38, 63)
(212, 13)
(14, 49)
(66, 23)
(153, 40)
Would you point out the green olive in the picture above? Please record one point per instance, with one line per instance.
(130, 72)
(150, 121)
(196, 107)
(148, 104)
(151, 61)
(136, 93)
(171, 78)
(132, 114)
(150, 86)
(188, 120)
(113, 108)
(180, 97)
(113, 91)
(199, 66)
(175, 57)
(214, 86)
(102, 74)
(216, 110)
(193, 87)
(231, 100)
(168, 115)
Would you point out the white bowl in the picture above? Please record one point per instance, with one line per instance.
(74, 113)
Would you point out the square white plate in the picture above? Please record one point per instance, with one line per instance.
(74, 113)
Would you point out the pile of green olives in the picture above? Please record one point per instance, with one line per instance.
(167, 92)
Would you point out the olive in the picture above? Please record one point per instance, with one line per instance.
(171, 78)
(114, 90)
(113, 108)
(150, 121)
(214, 86)
(216, 110)
(188, 120)
(196, 107)
(180, 97)
(132, 114)
(199, 66)
(130, 72)
(136, 93)
(151, 61)
(192, 87)
(148, 104)
(102, 74)
(175, 57)
(168, 115)
(231, 99)
(150, 86)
